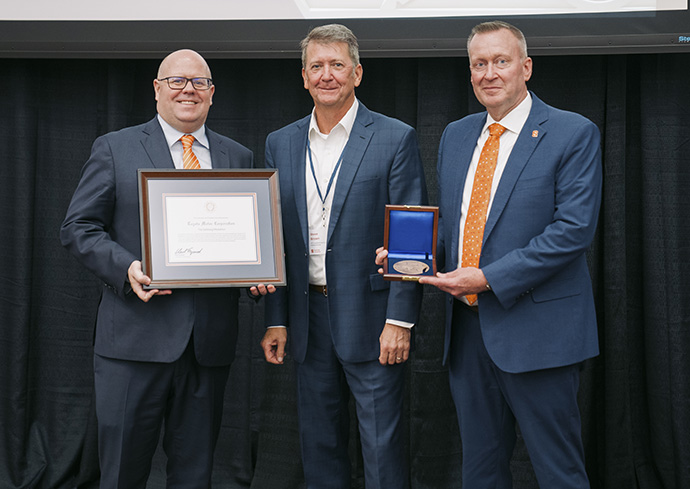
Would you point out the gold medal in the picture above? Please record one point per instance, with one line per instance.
(411, 267)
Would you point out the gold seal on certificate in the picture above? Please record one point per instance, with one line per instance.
(411, 267)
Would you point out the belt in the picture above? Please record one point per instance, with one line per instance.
(321, 289)
(474, 309)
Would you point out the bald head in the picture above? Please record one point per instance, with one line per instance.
(184, 109)
(178, 56)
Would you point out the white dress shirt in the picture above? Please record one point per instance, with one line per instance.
(200, 146)
(326, 150)
(513, 122)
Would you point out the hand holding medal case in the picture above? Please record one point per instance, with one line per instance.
(410, 238)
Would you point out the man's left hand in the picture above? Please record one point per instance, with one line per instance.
(262, 289)
(395, 344)
(459, 282)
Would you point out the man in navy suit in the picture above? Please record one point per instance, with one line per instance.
(160, 356)
(350, 329)
(515, 354)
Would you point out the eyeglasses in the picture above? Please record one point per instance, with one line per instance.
(180, 82)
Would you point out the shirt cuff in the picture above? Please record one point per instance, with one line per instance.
(402, 324)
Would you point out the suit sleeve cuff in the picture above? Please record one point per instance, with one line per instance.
(402, 324)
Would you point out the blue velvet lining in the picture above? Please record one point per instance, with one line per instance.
(410, 232)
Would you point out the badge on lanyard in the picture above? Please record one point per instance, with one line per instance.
(317, 238)
(317, 241)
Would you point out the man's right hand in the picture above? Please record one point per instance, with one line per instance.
(137, 280)
(273, 345)
(381, 254)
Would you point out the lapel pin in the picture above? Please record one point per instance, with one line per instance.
(535, 134)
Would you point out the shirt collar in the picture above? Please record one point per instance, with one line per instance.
(172, 135)
(515, 119)
(347, 122)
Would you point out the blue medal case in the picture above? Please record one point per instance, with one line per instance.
(410, 235)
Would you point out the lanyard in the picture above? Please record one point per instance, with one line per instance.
(313, 174)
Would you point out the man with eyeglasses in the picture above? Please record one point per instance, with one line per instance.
(160, 356)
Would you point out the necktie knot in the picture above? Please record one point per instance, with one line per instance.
(496, 129)
(189, 159)
(187, 141)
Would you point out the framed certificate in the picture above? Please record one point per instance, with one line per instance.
(410, 236)
(211, 228)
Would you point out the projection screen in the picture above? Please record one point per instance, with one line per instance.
(272, 28)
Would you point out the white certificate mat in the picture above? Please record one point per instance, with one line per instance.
(211, 229)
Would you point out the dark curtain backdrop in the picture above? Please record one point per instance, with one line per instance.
(635, 397)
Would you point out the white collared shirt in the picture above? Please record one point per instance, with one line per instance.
(200, 146)
(513, 122)
(326, 149)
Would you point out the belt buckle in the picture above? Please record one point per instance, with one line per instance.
(322, 289)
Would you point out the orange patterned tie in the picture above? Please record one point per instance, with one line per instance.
(189, 159)
(479, 202)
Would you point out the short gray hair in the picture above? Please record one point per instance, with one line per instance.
(328, 34)
(497, 25)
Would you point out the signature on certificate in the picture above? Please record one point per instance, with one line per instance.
(188, 251)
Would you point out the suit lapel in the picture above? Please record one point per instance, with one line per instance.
(220, 158)
(156, 146)
(528, 140)
(353, 154)
(157, 149)
(298, 153)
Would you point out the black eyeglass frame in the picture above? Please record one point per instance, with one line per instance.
(208, 81)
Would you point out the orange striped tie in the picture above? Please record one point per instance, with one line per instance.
(189, 159)
(479, 202)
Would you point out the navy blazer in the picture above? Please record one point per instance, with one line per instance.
(101, 229)
(381, 165)
(540, 312)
